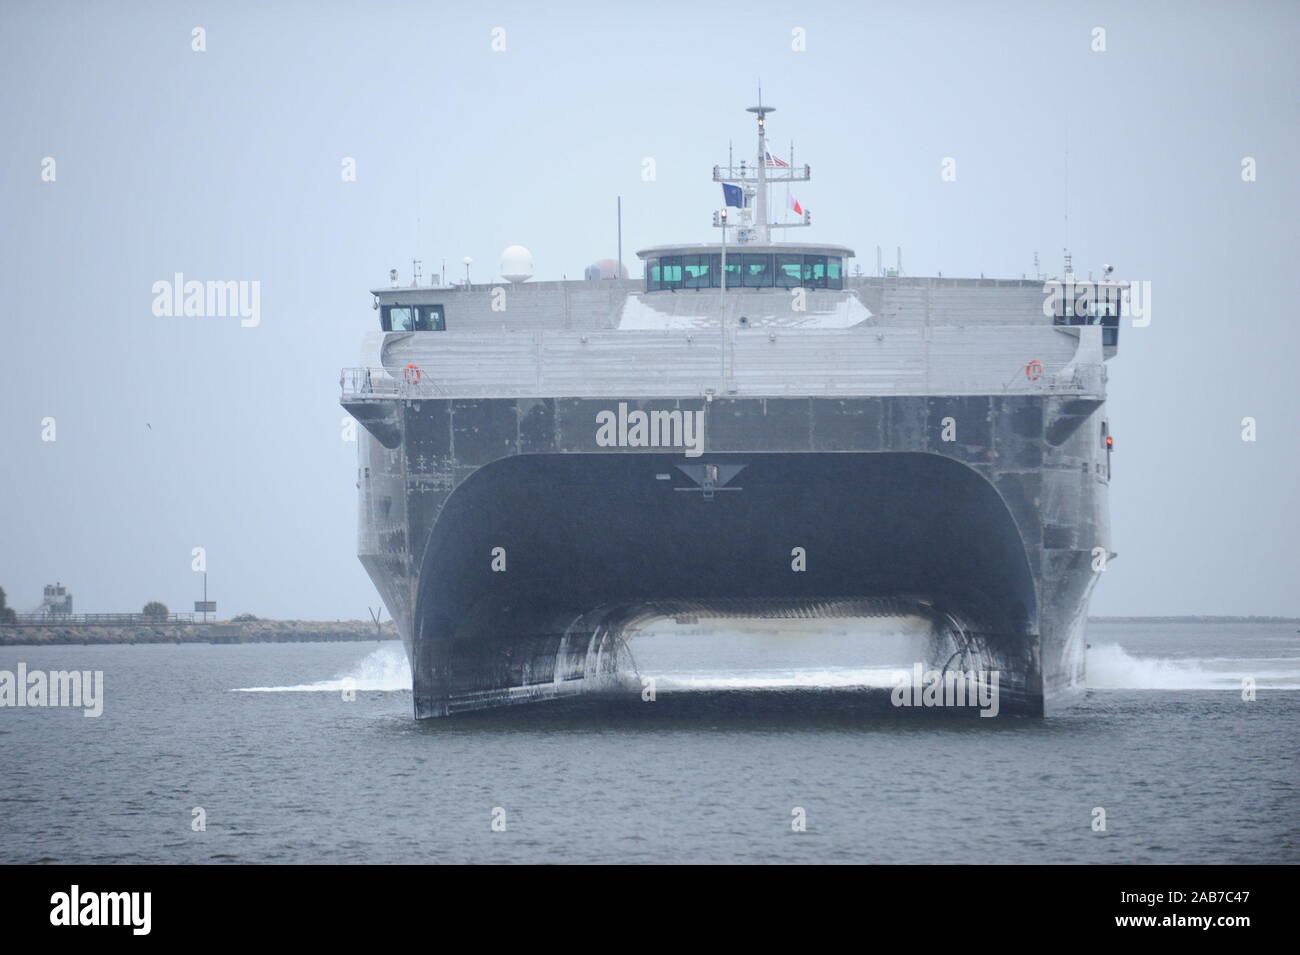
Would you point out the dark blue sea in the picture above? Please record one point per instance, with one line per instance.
(261, 739)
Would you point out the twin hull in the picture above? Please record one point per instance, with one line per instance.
(517, 549)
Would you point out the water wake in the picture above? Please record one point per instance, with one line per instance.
(834, 677)
(384, 670)
(1111, 667)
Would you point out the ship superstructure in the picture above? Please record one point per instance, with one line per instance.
(749, 430)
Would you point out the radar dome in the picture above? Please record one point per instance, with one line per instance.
(605, 269)
(516, 264)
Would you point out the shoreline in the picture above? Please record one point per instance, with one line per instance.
(317, 631)
(1194, 619)
(255, 631)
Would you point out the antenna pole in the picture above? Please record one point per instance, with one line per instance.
(620, 238)
(722, 313)
(762, 173)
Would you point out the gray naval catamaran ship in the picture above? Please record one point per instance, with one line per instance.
(748, 432)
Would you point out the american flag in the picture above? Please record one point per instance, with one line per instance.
(775, 161)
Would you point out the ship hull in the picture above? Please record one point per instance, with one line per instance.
(519, 542)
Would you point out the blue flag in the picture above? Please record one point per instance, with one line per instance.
(733, 195)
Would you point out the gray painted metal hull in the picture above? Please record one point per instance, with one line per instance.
(993, 532)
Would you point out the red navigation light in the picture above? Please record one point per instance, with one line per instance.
(1110, 444)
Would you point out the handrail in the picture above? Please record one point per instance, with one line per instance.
(378, 383)
(1044, 377)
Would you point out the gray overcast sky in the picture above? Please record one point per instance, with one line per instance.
(180, 432)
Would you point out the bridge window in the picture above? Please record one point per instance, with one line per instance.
(665, 273)
(412, 318)
(430, 318)
(397, 318)
(696, 271)
(756, 271)
(1107, 310)
(814, 271)
(672, 271)
(834, 278)
(733, 270)
(789, 271)
(1091, 305)
(744, 270)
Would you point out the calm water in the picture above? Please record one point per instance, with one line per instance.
(287, 771)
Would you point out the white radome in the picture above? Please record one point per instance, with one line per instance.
(516, 264)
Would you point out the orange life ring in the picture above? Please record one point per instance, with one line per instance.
(1034, 370)
(412, 374)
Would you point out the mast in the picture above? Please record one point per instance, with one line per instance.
(761, 234)
(753, 222)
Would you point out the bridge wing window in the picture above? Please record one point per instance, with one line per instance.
(1061, 309)
(397, 318)
(412, 318)
(1083, 303)
(430, 318)
(1108, 309)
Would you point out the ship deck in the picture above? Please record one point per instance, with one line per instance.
(883, 337)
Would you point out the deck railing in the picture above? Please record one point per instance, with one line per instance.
(747, 362)
(378, 383)
(1033, 377)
